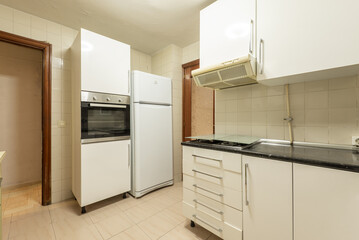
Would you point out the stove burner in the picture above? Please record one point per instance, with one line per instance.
(222, 143)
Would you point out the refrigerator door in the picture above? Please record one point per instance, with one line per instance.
(151, 88)
(153, 146)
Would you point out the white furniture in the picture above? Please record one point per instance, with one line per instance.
(212, 191)
(227, 31)
(295, 41)
(301, 39)
(105, 64)
(151, 133)
(109, 178)
(267, 194)
(326, 203)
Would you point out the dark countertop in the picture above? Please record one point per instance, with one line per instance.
(341, 159)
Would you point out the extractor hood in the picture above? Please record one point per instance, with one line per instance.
(238, 72)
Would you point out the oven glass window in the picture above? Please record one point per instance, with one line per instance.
(102, 122)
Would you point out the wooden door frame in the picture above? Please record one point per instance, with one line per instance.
(184, 66)
(46, 49)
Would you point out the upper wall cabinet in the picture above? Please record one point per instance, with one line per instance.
(105, 64)
(305, 40)
(227, 31)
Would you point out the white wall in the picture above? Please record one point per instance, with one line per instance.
(167, 62)
(324, 111)
(61, 38)
(20, 108)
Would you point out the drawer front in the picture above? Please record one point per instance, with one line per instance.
(213, 208)
(214, 225)
(228, 161)
(228, 196)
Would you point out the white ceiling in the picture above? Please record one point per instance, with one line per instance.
(147, 25)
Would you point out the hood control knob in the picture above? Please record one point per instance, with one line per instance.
(120, 100)
(94, 98)
(108, 99)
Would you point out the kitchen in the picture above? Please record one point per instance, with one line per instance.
(317, 110)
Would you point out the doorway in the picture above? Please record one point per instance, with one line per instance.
(45, 107)
(198, 105)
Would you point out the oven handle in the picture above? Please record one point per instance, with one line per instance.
(107, 105)
(106, 139)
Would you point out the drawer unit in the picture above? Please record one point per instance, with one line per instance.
(212, 224)
(213, 208)
(212, 190)
(216, 192)
(227, 161)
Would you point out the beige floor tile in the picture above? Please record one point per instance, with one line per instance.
(45, 232)
(161, 223)
(82, 233)
(5, 230)
(133, 233)
(29, 225)
(214, 237)
(184, 231)
(68, 211)
(130, 202)
(143, 210)
(104, 213)
(67, 227)
(113, 225)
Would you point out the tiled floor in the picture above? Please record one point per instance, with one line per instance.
(154, 216)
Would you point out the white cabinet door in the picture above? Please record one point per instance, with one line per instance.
(226, 30)
(105, 170)
(326, 204)
(303, 36)
(268, 211)
(105, 64)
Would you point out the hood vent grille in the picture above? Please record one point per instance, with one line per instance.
(238, 72)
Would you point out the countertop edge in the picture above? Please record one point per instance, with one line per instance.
(247, 152)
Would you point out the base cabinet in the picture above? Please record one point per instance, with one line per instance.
(326, 204)
(267, 199)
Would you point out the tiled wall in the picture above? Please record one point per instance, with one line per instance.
(190, 52)
(61, 38)
(167, 62)
(20, 108)
(140, 61)
(324, 111)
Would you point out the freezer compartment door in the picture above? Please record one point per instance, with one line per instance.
(151, 88)
(153, 158)
(105, 170)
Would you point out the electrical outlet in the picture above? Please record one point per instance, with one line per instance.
(355, 140)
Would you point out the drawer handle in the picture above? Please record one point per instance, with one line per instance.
(217, 160)
(246, 182)
(204, 205)
(204, 173)
(210, 225)
(218, 194)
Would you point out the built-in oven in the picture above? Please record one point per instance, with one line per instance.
(104, 117)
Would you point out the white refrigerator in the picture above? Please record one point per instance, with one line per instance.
(151, 132)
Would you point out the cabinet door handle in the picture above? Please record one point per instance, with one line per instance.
(129, 155)
(208, 224)
(204, 189)
(246, 182)
(217, 160)
(251, 36)
(204, 205)
(207, 174)
(261, 55)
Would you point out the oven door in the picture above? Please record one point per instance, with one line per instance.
(104, 122)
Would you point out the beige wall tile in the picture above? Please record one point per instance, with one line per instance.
(316, 86)
(342, 83)
(343, 117)
(317, 118)
(342, 98)
(275, 132)
(316, 134)
(316, 100)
